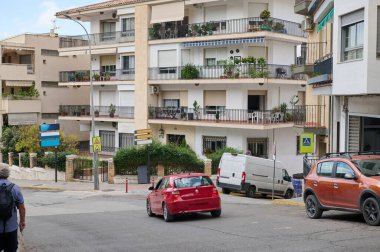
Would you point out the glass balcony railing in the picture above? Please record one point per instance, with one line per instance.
(97, 39)
(97, 76)
(170, 30)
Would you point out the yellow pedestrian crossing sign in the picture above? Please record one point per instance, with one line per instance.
(307, 143)
(97, 144)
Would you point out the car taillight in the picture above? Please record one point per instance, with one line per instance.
(215, 191)
(243, 177)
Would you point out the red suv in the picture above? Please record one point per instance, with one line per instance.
(347, 182)
(183, 193)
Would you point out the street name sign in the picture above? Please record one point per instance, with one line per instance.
(143, 137)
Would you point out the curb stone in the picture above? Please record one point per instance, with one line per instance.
(288, 203)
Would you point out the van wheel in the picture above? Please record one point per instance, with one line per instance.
(313, 210)
(288, 194)
(371, 212)
(264, 195)
(226, 191)
(251, 192)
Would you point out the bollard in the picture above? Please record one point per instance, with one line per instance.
(153, 182)
(126, 185)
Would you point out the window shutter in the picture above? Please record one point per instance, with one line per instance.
(216, 13)
(255, 9)
(215, 98)
(167, 58)
(353, 17)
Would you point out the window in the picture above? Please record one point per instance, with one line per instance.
(212, 110)
(215, 56)
(109, 29)
(352, 35)
(49, 115)
(128, 24)
(46, 52)
(342, 169)
(175, 139)
(369, 168)
(159, 184)
(167, 61)
(212, 144)
(126, 140)
(110, 69)
(192, 182)
(163, 184)
(108, 140)
(325, 169)
(128, 64)
(171, 103)
(258, 147)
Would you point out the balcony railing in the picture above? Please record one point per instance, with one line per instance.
(323, 70)
(84, 75)
(97, 39)
(100, 111)
(29, 67)
(241, 71)
(241, 116)
(309, 53)
(175, 30)
(312, 116)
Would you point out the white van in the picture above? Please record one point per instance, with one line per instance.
(251, 175)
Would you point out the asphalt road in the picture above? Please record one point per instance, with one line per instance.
(88, 221)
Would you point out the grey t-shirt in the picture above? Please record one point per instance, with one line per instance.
(11, 224)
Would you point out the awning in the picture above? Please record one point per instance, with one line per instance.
(325, 20)
(17, 48)
(167, 12)
(22, 119)
(13, 83)
(224, 42)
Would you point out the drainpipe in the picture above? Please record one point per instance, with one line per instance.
(331, 124)
(345, 110)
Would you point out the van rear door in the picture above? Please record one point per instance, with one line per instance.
(231, 169)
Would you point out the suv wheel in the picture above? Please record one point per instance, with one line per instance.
(312, 208)
(371, 211)
(251, 192)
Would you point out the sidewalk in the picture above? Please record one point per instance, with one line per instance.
(290, 202)
(79, 186)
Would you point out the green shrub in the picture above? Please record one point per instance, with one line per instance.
(49, 160)
(217, 155)
(189, 72)
(172, 157)
(25, 160)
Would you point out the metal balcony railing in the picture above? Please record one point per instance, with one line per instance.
(312, 116)
(170, 30)
(97, 39)
(84, 75)
(240, 71)
(100, 111)
(309, 53)
(324, 65)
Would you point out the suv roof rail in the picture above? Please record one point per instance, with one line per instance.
(349, 154)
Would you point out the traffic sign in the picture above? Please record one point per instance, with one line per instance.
(143, 142)
(145, 136)
(97, 144)
(49, 135)
(307, 143)
(143, 131)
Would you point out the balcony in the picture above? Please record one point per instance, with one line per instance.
(310, 116)
(98, 77)
(9, 71)
(102, 113)
(301, 7)
(323, 71)
(20, 105)
(225, 72)
(307, 54)
(170, 30)
(97, 39)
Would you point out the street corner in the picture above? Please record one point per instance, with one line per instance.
(297, 202)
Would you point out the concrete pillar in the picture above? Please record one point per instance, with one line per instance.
(10, 158)
(20, 155)
(160, 171)
(111, 171)
(70, 166)
(1, 157)
(32, 160)
(207, 169)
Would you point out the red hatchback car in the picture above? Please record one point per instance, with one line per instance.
(183, 193)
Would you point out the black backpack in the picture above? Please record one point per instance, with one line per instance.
(7, 203)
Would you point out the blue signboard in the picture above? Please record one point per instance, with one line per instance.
(49, 127)
(50, 142)
(49, 135)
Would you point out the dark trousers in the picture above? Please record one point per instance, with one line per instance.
(8, 241)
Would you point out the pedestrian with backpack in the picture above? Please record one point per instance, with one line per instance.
(11, 199)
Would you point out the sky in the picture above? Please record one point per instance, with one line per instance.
(36, 16)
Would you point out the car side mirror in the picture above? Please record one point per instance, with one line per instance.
(151, 188)
(350, 176)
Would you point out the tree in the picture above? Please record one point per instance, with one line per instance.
(69, 143)
(9, 140)
(29, 139)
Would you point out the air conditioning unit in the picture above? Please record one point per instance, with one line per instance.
(154, 90)
(307, 24)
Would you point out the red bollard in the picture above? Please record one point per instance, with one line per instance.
(153, 181)
(126, 185)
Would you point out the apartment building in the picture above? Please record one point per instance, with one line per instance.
(214, 73)
(354, 87)
(29, 71)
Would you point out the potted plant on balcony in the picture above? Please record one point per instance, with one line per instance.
(262, 73)
(78, 76)
(86, 77)
(279, 27)
(196, 107)
(107, 76)
(265, 16)
(189, 72)
(112, 110)
(61, 111)
(96, 112)
(217, 116)
(96, 77)
(83, 112)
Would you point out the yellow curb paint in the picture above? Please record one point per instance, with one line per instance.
(52, 189)
(289, 203)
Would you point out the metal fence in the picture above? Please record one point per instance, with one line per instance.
(310, 115)
(98, 75)
(239, 71)
(309, 53)
(170, 30)
(97, 39)
(83, 169)
(100, 111)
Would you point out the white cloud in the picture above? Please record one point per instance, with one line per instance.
(49, 8)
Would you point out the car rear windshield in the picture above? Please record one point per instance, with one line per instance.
(369, 167)
(195, 181)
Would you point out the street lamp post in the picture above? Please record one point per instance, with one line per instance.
(94, 154)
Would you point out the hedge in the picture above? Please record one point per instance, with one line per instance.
(49, 160)
(216, 156)
(172, 157)
(25, 160)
